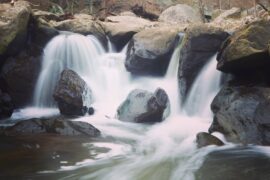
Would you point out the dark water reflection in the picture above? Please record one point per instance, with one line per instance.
(243, 163)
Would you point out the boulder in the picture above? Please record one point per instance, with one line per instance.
(234, 163)
(242, 114)
(41, 29)
(57, 125)
(246, 50)
(200, 43)
(204, 139)
(72, 94)
(120, 29)
(6, 105)
(231, 13)
(150, 50)
(13, 27)
(82, 24)
(19, 75)
(181, 13)
(144, 107)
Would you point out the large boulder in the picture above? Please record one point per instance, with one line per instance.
(181, 13)
(72, 94)
(205, 139)
(120, 29)
(144, 107)
(6, 105)
(82, 24)
(242, 114)
(201, 42)
(235, 163)
(13, 27)
(246, 50)
(57, 126)
(150, 50)
(19, 75)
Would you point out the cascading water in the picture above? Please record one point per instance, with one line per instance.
(137, 151)
(72, 51)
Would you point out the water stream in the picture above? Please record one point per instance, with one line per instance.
(135, 151)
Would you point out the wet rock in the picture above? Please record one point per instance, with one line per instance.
(201, 42)
(242, 114)
(144, 107)
(6, 105)
(19, 75)
(120, 29)
(146, 12)
(13, 27)
(72, 94)
(57, 125)
(180, 13)
(246, 50)
(204, 139)
(150, 50)
(91, 111)
(236, 163)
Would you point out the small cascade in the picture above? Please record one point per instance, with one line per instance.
(204, 88)
(72, 51)
(173, 66)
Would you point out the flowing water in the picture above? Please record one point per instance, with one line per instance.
(131, 151)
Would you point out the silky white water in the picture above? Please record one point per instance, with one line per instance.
(149, 152)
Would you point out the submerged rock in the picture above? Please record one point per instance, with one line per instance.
(6, 105)
(13, 27)
(242, 114)
(57, 126)
(204, 139)
(150, 50)
(237, 163)
(144, 107)
(72, 94)
(181, 13)
(246, 50)
(201, 42)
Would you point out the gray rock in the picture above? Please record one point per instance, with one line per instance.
(242, 114)
(150, 50)
(144, 107)
(120, 29)
(201, 42)
(72, 94)
(56, 125)
(180, 13)
(204, 139)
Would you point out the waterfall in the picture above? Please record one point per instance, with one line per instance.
(73, 51)
(136, 151)
(204, 88)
